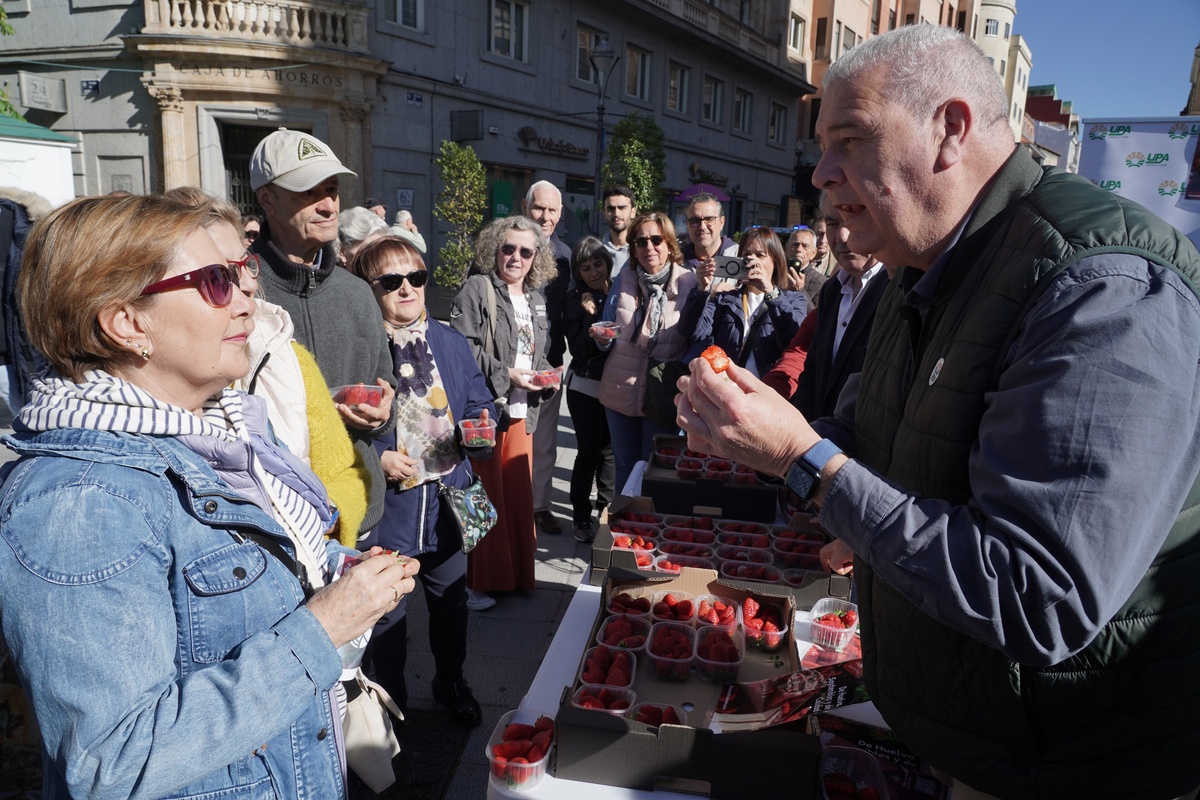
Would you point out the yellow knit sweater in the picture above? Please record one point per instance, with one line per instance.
(331, 454)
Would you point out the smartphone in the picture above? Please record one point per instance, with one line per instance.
(731, 268)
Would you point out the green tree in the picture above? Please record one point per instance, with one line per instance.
(636, 158)
(6, 106)
(460, 204)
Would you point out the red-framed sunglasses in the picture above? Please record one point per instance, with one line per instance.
(216, 284)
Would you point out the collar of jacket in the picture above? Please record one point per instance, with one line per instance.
(293, 277)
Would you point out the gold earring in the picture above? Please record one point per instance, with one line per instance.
(145, 353)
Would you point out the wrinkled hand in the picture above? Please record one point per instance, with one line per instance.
(351, 605)
(397, 466)
(797, 278)
(523, 379)
(837, 557)
(741, 418)
(365, 417)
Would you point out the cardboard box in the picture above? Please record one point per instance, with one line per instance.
(619, 564)
(758, 503)
(599, 748)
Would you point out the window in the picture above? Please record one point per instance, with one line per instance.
(909, 19)
(679, 80)
(837, 38)
(637, 73)
(777, 126)
(1007, 30)
(744, 12)
(849, 40)
(821, 48)
(891, 20)
(742, 103)
(588, 41)
(962, 22)
(714, 96)
(1003, 68)
(991, 27)
(814, 112)
(409, 13)
(509, 18)
(796, 34)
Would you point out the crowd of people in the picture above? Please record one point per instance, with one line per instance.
(994, 360)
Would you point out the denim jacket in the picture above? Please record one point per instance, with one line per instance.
(166, 655)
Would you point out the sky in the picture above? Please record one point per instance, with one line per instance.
(1113, 58)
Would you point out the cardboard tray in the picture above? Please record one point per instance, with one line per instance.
(732, 501)
(615, 751)
(620, 564)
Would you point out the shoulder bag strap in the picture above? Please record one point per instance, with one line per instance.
(490, 341)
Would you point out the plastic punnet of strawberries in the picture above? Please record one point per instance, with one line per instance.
(671, 647)
(764, 625)
(518, 759)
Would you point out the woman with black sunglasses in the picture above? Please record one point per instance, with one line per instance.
(438, 385)
(502, 312)
(648, 304)
(151, 590)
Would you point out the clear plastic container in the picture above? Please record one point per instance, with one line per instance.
(689, 535)
(742, 571)
(856, 765)
(519, 777)
(675, 643)
(358, 394)
(607, 330)
(673, 607)
(675, 564)
(608, 666)
(478, 432)
(718, 610)
(797, 553)
(666, 456)
(632, 600)
(759, 541)
(719, 653)
(546, 378)
(762, 636)
(606, 699)
(624, 631)
(746, 555)
(832, 636)
(668, 547)
(647, 518)
(652, 714)
(696, 523)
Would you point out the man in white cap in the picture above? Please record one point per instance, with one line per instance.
(296, 178)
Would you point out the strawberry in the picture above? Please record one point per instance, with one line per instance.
(750, 608)
(617, 677)
(669, 717)
(498, 766)
(544, 723)
(508, 750)
(850, 619)
(517, 731)
(543, 739)
(536, 754)
(649, 715)
(716, 358)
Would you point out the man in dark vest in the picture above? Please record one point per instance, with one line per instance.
(1017, 473)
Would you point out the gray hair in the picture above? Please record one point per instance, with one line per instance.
(542, 185)
(487, 245)
(923, 66)
(358, 223)
(403, 216)
(705, 197)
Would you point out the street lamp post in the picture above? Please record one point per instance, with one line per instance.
(603, 61)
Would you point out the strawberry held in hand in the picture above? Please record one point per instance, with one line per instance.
(716, 358)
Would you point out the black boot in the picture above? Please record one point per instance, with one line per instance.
(456, 695)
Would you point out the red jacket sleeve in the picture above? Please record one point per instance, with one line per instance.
(783, 376)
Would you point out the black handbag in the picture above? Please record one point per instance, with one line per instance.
(471, 511)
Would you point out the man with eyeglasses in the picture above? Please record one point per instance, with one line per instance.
(251, 225)
(705, 219)
(295, 177)
(543, 205)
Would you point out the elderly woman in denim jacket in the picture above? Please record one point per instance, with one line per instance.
(502, 312)
(167, 588)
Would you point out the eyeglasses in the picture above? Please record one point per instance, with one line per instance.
(694, 222)
(509, 249)
(251, 235)
(215, 283)
(249, 265)
(394, 280)
(642, 241)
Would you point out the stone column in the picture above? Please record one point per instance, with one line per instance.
(358, 149)
(174, 144)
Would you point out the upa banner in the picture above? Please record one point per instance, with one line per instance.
(1151, 161)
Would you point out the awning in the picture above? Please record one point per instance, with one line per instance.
(702, 188)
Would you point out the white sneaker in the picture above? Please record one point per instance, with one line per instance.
(479, 601)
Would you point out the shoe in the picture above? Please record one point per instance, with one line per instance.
(479, 601)
(546, 521)
(584, 532)
(456, 695)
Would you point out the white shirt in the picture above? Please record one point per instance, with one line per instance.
(852, 292)
(518, 399)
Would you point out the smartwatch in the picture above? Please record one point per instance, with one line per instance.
(804, 476)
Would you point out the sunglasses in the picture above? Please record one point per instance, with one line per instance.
(251, 235)
(249, 265)
(509, 249)
(216, 284)
(642, 241)
(394, 280)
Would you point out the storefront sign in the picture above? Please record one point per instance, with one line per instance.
(530, 139)
(293, 76)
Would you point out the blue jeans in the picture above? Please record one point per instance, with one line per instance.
(632, 439)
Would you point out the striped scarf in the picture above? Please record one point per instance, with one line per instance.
(255, 468)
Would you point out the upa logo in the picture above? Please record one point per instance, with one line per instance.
(1110, 185)
(1135, 159)
(1155, 159)
(1168, 188)
(1097, 131)
(1182, 130)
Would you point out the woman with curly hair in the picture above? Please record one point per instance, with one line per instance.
(503, 315)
